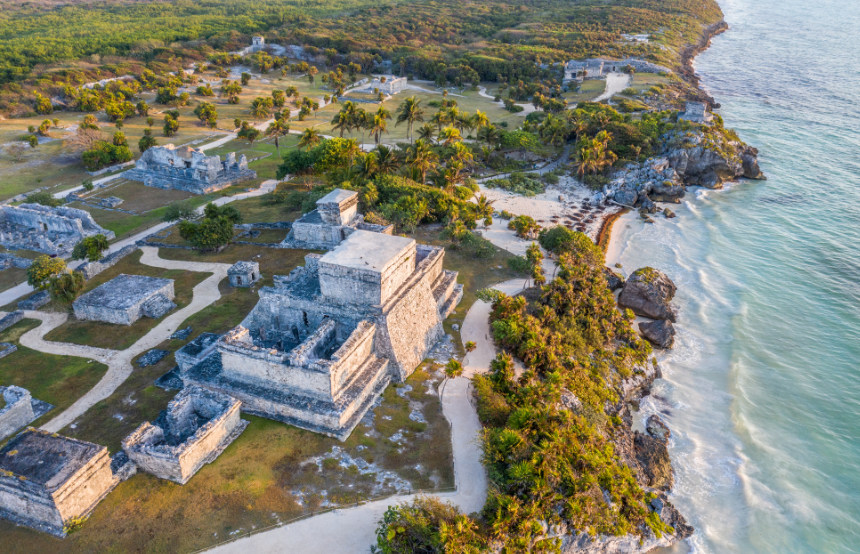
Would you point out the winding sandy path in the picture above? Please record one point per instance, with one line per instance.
(119, 361)
(527, 108)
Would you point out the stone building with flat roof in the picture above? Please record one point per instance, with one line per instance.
(335, 218)
(18, 408)
(48, 481)
(323, 343)
(243, 274)
(125, 299)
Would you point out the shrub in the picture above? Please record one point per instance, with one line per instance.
(44, 198)
(90, 248)
(178, 210)
(524, 226)
(526, 184)
(453, 368)
(104, 154)
(43, 269)
(65, 287)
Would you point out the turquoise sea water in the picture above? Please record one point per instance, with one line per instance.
(762, 391)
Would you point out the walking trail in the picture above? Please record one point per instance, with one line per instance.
(119, 361)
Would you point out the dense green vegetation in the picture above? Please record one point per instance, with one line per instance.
(548, 433)
(449, 42)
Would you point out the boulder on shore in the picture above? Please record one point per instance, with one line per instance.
(648, 292)
(653, 457)
(659, 333)
(657, 428)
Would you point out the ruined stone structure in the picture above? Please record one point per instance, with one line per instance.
(91, 269)
(21, 409)
(196, 427)
(125, 299)
(597, 68)
(188, 169)
(53, 231)
(10, 319)
(244, 274)
(47, 480)
(695, 112)
(391, 86)
(324, 342)
(7, 348)
(257, 43)
(334, 219)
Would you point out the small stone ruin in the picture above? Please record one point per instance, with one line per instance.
(48, 481)
(695, 112)
(335, 218)
(189, 169)
(125, 299)
(244, 274)
(196, 427)
(21, 409)
(52, 231)
(324, 342)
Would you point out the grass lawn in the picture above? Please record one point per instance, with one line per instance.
(588, 90)
(138, 197)
(273, 261)
(643, 81)
(260, 209)
(119, 337)
(59, 380)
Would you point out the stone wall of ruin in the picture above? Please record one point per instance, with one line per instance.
(17, 412)
(179, 463)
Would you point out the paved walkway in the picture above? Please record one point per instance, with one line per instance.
(119, 361)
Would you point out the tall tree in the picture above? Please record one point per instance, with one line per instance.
(410, 111)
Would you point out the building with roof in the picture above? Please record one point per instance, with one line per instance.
(189, 169)
(322, 344)
(48, 481)
(244, 274)
(125, 299)
(335, 218)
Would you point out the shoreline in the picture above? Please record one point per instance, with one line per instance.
(604, 235)
(688, 56)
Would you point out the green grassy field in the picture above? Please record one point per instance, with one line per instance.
(59, 380)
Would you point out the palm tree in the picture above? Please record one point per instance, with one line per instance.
(351, 149)
(386, 159)
(310, 138)
(369, 165)
(425, 132)
(422, 159)
(480, 120)
(449, 136)
(278, 128)
(483, 207)
(379, 126)
(410, 111)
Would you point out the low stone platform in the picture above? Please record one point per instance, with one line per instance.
(125, 299)
(20, 410)
(48, 481)
(194, 430)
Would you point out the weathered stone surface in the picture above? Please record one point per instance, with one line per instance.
(653, 457)
(660, 332)
(323, 343)
(657, 428)
(648, 292)
(182, 334)
(53, 231)
(10, 319)
(125, 298)
(17, 411)
(195, 351)
(196, 427)
(188, 169)
(46, 480)
(152, 357)
(10, 260)
(7, 348)
(244, 274)
(35, 301)
(91, 269)
(334, 219)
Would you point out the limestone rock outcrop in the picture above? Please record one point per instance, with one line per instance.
(660, 332)
(648, 292)
(653, 457)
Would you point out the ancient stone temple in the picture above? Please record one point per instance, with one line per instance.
(324, 342)
(244, 274)
(47, 480)
(125, 299)
(188, 169)
(53, 231)
(196, 427)
(695, 112)
(335, 217)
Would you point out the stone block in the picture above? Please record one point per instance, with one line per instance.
(10, 319)
(35, 301)
(125, 299)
